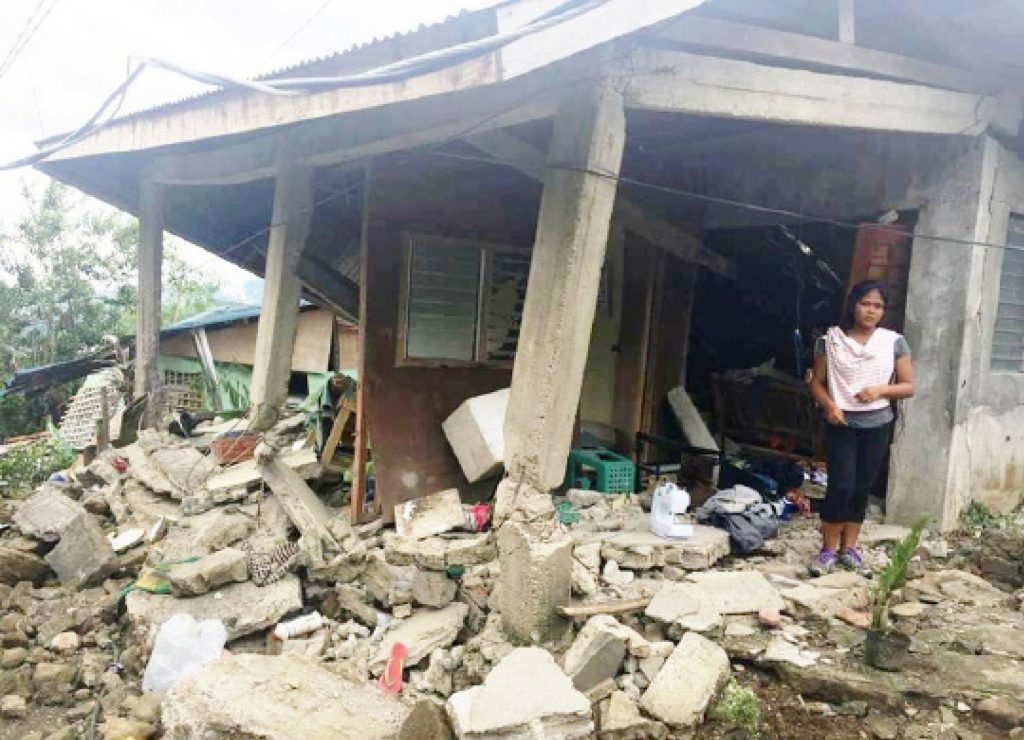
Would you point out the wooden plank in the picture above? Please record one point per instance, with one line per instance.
(340, 420)
(357, 496)
(532, 162)
(688, 83)
(690, 32)
(604, 607)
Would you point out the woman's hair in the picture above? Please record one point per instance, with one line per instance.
(858, 291)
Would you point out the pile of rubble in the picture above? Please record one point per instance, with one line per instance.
(401, 630)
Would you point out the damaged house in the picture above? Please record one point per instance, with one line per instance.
(551, 204)
(555, 226)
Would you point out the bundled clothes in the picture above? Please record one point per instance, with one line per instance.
(742, 513)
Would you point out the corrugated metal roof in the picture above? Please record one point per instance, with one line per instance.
(220, 316)
(332, 61)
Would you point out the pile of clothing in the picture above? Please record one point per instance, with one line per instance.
(745, 515)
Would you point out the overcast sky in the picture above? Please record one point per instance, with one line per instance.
(79, 52)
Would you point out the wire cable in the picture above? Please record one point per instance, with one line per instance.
(302, 27)
(401, 70)
(26, 35)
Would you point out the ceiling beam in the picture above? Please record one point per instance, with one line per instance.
(678, 82)
(532, 162)
(755, 42)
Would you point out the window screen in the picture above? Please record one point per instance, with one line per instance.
(443, 301)
(1008, 339)
(509, 273)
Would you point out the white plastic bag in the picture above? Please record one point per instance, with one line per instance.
(182, 647)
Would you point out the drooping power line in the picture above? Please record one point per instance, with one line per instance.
(39, 15)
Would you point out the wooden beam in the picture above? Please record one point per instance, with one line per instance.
(695, 32)
(357, 495)
(147, 328)
(514, 152)
(688, 83)
(302, 506)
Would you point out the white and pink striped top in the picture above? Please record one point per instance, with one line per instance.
(853, 366)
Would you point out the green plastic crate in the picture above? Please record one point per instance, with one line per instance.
(598, 469)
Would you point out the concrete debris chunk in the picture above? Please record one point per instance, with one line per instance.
(244, 608)
(620, 718)
(471, 550)
(46, 515)
(388, 584)
(524, 695)
(426, 721)
(84, 555)
(127, 539)
(476, 433)
(636, 546)
(684, 687)
(597, 653)
(433, 589)
(208, 573)
(422, 633)
(246, 474)
(536, 578)
(736, 592)
(285, 698)
(430, 515)
(16, 566)
(304, 508)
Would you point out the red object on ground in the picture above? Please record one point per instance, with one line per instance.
(120, 465)
(481, 516)
(390, 681)
(234, 448)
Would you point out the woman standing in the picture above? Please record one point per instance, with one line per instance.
(859, 369)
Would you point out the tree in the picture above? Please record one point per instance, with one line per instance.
(68, 279)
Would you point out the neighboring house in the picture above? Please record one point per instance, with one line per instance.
(322, 346)
(544, 196)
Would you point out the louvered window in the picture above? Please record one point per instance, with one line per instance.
(1008, 339)
(462, 302)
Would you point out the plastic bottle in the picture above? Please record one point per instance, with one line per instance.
(299, 626)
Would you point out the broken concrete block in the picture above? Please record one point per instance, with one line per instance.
(583, 581)
(430, 515)
(536, 578)
(203, 534)
(46, 515)
(430, 554)
(126, 540)
(304, 508)
(706, 547)
(83, 556)
(736, 592)
(16, 566)
(473, 550)
(244, 608)
(524, 695)
(433, 589)
(388, 584)
(596, 654)
(426, 721)
(285, 697)
(350, 601)
(686, 684)
(620, 718)
(422, 633)
(476, 433)
(208, 573)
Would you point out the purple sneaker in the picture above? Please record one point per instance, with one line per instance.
(851, 560)
(825, 563)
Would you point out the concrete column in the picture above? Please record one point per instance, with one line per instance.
(561, 295)
(147, 325)
(279, 315)
(558, 316)
(941, 326)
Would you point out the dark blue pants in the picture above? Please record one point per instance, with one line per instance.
(854, 458)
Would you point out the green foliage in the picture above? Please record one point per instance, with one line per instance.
(67, 281)
(25, 466)
(978, 516)
(894, 575)
(740, 708)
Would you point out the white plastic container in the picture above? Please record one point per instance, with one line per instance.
(669, 503)
(299, 626)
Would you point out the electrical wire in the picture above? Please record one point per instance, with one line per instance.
(302, 27)
(742, 205)
(27, 32)
(401, 70)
